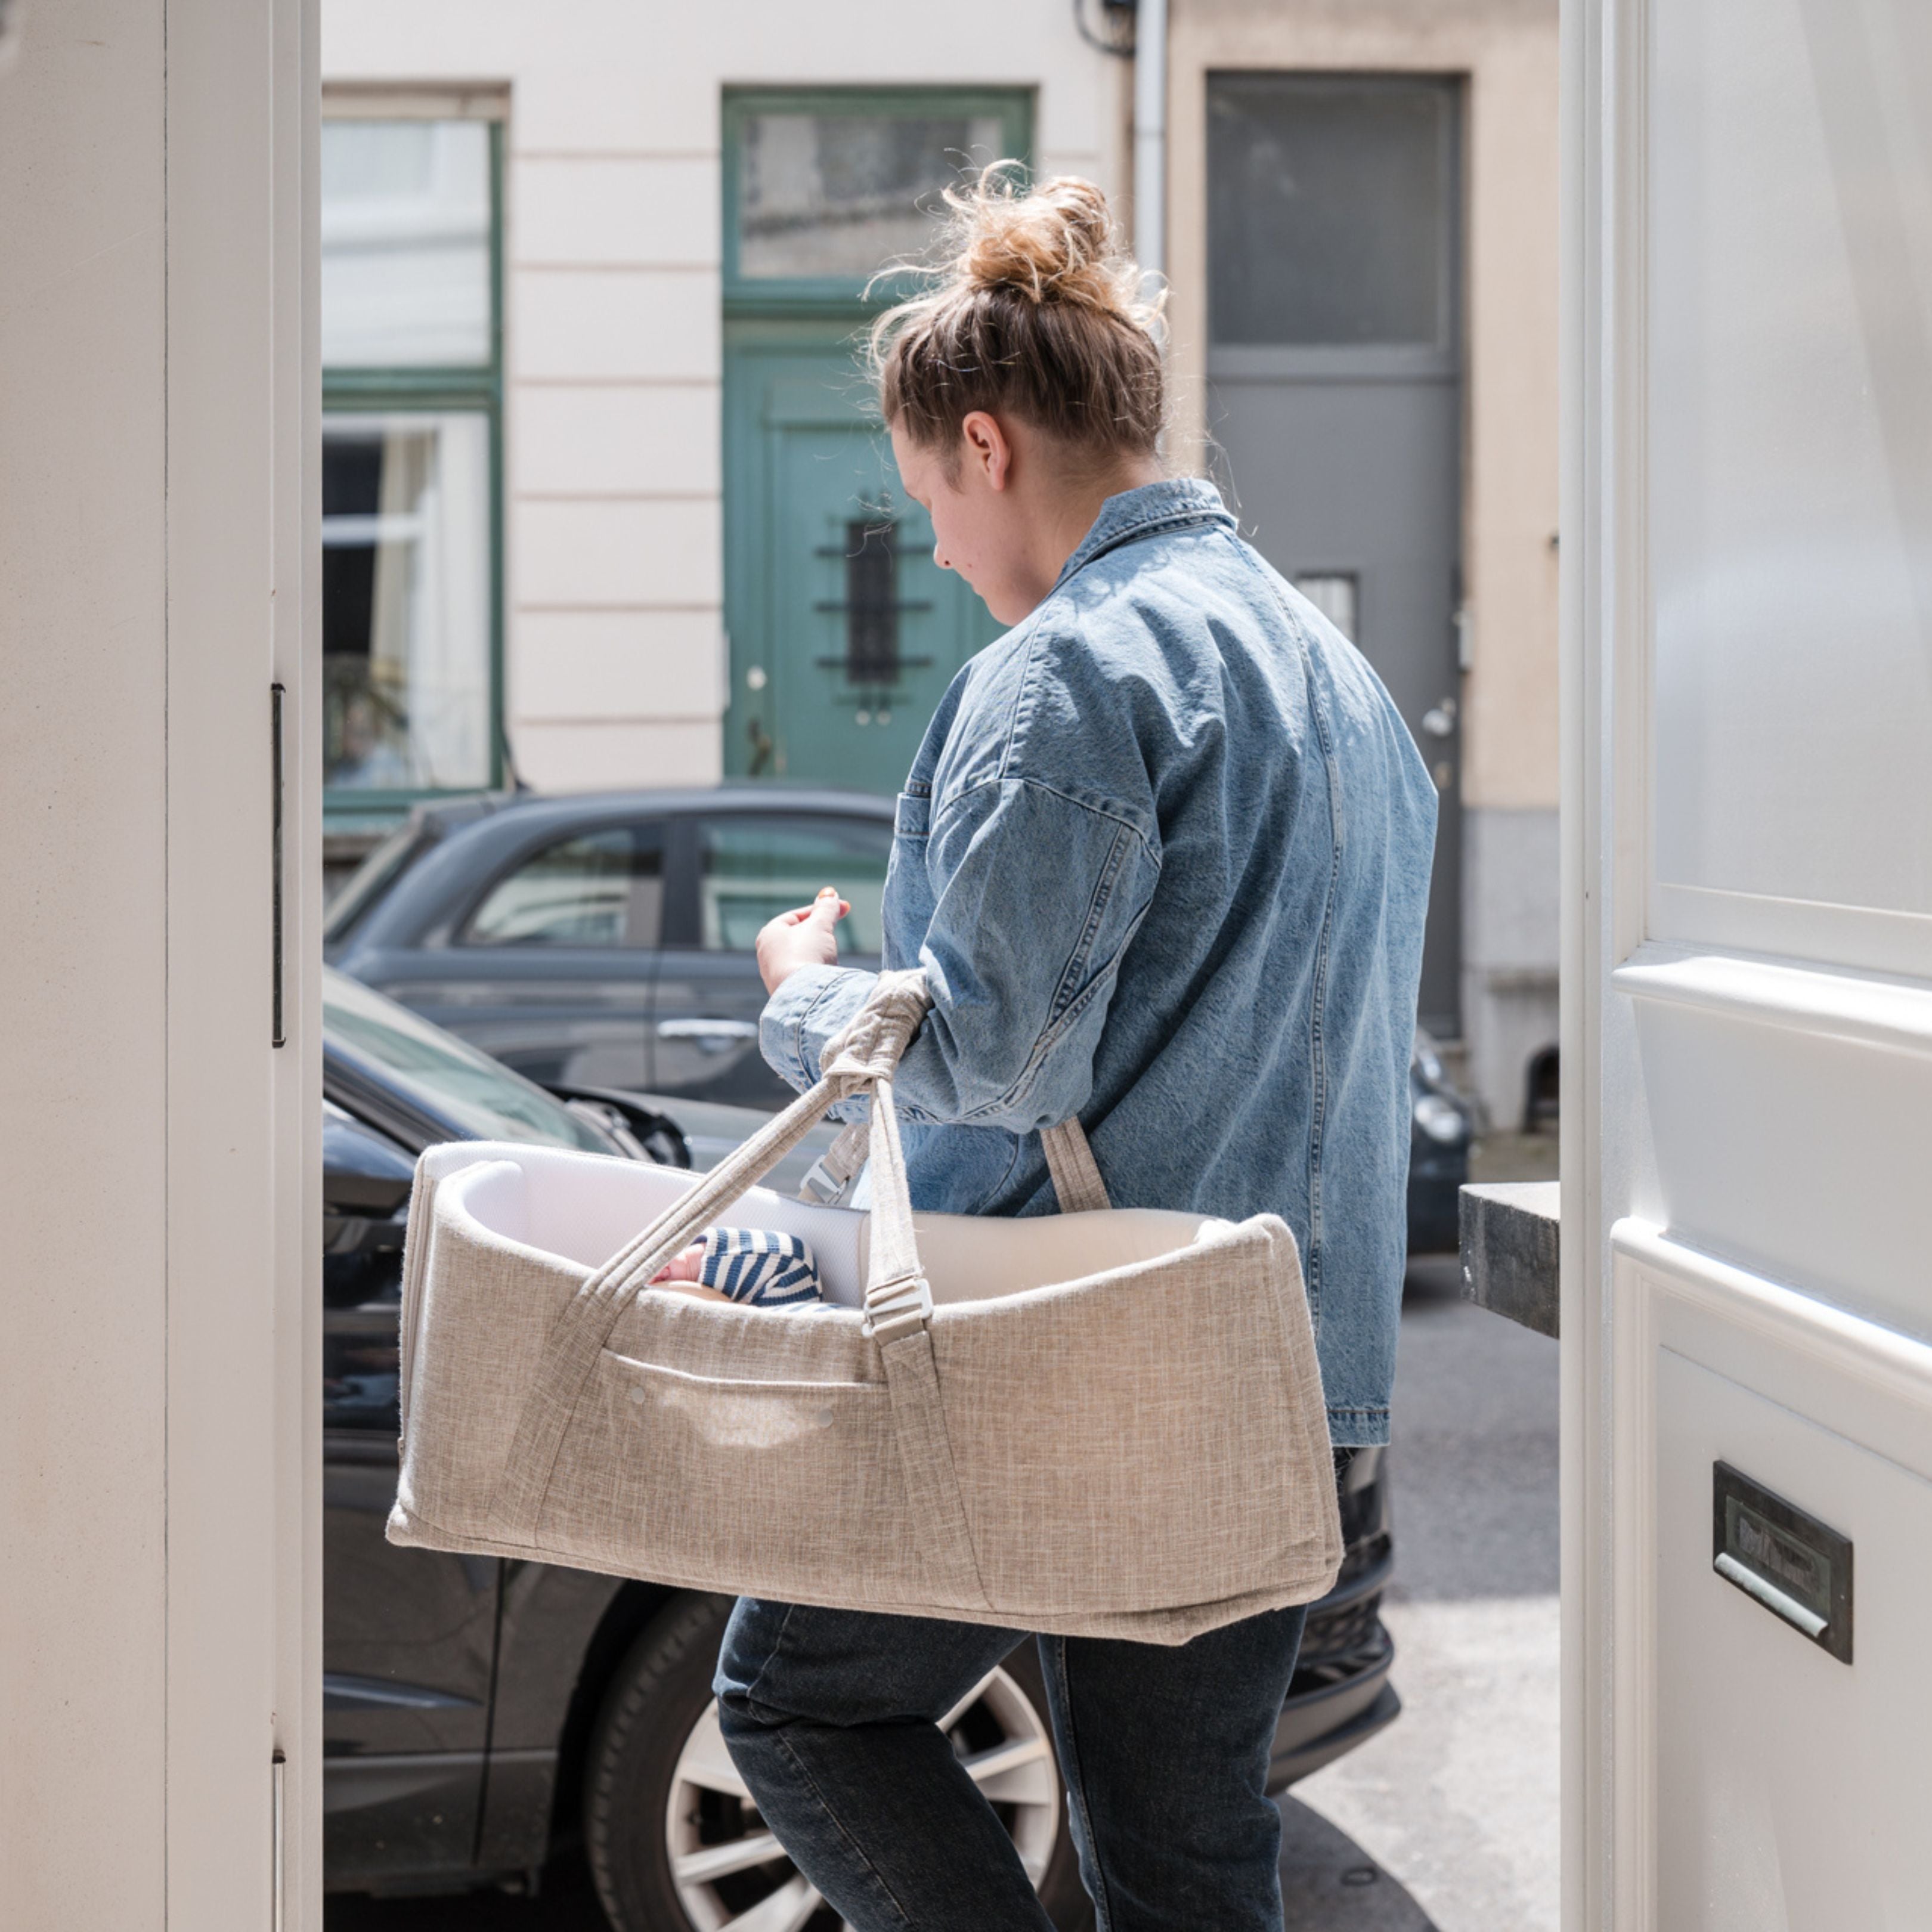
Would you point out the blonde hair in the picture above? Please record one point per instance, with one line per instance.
(1034, 307)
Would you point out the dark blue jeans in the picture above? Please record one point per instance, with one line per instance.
(831, 1717)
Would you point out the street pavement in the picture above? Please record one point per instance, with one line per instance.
(1454, 1807)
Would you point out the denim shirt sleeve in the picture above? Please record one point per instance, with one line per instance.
(1036, 896)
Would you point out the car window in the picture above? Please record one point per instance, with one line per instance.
(371, 879)
(603, 888)
(452, 1078)
(752, 868)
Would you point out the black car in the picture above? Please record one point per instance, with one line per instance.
(479, 1713)
(605, 941)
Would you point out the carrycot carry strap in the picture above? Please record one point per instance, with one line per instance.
(859, 1059)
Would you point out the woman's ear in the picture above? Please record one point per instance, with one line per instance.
(986, 449)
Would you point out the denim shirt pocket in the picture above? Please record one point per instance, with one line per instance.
(908, 907)
(913, 817)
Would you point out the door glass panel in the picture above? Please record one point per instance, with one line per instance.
(405, 243)
(751, 869)
(1790, 452)
(838, 195)
(1327, 200)
(603, 889)
(406, 600)
(1332, 593)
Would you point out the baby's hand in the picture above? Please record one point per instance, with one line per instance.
(685, 1267)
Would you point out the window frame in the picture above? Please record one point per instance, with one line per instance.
(820, 295)
(427, 390)
(683, 927)
(639, 831)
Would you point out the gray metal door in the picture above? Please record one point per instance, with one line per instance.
(1335, 391)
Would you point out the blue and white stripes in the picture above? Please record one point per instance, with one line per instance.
(755, 1266)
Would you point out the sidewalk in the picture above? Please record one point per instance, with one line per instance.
(1455, 1806)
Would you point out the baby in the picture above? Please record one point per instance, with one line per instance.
(751, 1265)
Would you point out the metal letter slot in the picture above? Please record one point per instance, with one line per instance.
(1798, 1568)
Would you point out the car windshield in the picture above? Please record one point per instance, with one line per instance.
(449, 1077)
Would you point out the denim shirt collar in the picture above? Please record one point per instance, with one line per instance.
(1180, 502)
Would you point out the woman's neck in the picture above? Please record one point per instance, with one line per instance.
(1064, 509)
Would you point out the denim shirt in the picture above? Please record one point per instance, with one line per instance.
(1164, 856)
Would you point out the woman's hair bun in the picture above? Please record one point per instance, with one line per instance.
(1055, 243)
(1029, 303)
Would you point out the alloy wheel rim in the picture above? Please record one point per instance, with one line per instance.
(730, 1872)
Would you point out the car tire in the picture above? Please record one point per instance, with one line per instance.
(657, 1788)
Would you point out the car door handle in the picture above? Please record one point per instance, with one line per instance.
(712, 1035)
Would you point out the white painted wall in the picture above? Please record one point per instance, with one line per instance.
(615, 643)
(160, 1605)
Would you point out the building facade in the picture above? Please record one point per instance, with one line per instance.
(607, 294)
(1382, 400)
(603, 503)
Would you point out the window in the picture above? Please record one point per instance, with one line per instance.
(1333, 593)
(751, 869)
(411, 396)
(823, 195)
(1327, 197)
(600, 889)
(823, 187)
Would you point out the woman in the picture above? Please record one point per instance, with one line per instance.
(1164, 856)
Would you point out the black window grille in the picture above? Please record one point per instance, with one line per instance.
(871, 606)
(872, 603)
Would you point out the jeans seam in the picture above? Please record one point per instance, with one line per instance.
(857, 1850)
(1076, 1785)
(781, 1742)
(771, 1651)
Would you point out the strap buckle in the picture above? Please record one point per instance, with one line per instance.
(836, 1168)
(895, 1308)
(821, 1185)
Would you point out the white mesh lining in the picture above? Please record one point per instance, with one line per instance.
(586, 1207)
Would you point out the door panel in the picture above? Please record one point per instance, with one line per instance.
(845, 632)
(1335, 392)
(1358, 482)
(1749, 1834)
(1747, 1022)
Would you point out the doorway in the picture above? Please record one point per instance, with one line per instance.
(1335, 391)
(843, 632)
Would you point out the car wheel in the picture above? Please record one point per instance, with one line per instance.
(675, 1841)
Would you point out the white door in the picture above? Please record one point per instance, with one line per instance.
(1747, 974)
(160, 888)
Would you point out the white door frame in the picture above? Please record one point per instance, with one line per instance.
(1604, 764)
(160, 1619)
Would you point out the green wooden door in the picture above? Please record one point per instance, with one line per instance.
(845, 633)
